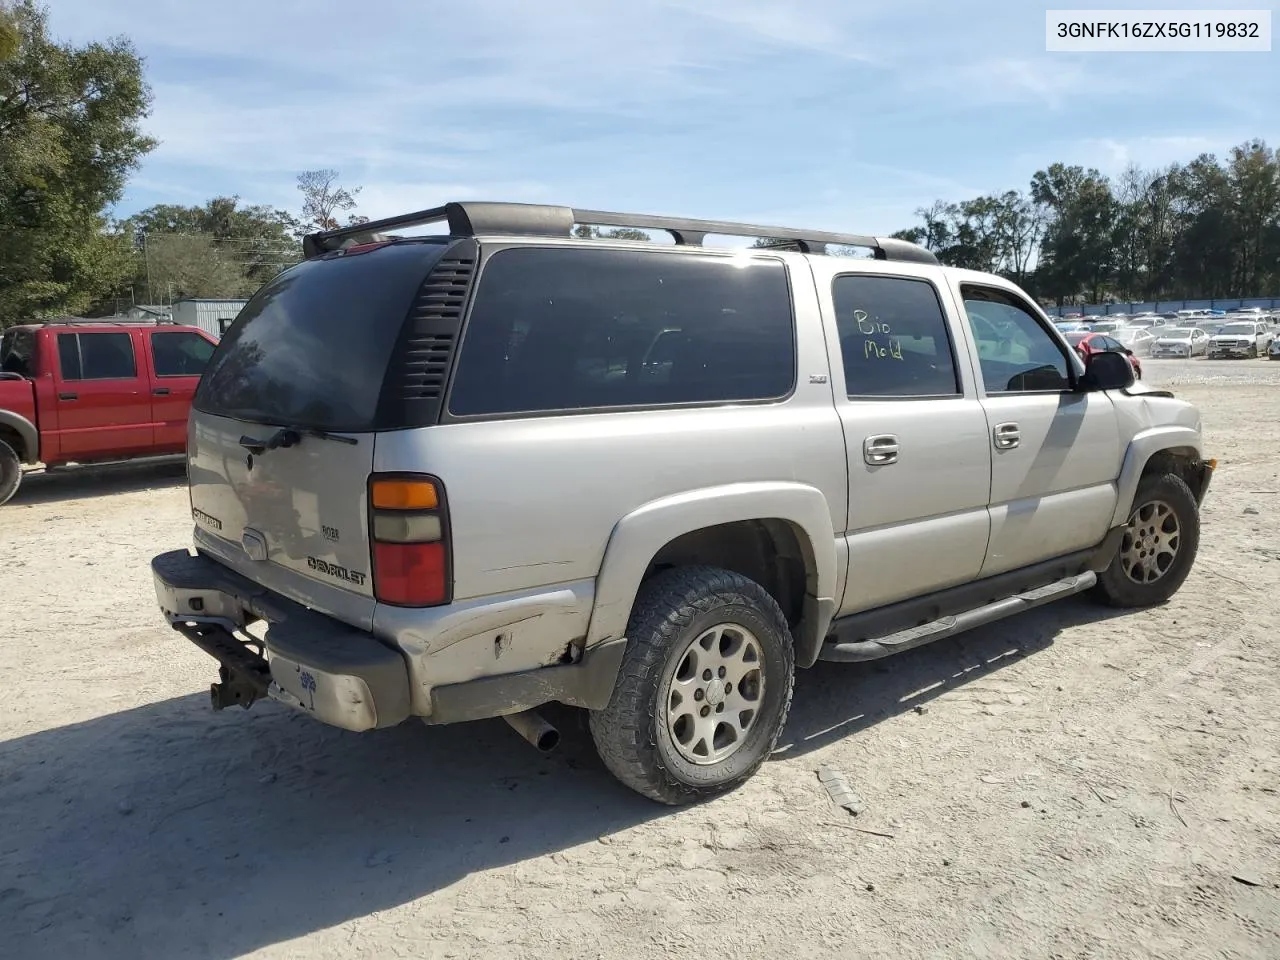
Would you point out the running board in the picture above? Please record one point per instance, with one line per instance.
(854, 651)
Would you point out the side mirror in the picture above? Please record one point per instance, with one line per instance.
(1107, 371)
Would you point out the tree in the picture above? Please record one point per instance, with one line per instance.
(323, 199)
(1207, 229)
(193, 265)
(250, 244)
(69, 136)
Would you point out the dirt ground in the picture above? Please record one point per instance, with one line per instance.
(1070, 784)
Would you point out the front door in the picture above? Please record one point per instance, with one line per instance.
(104, 409)
(1055, 452)
(915, 438)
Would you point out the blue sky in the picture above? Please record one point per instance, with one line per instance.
(831, 114)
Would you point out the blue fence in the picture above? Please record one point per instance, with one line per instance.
(1165, 306)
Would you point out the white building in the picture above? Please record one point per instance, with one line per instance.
(213, 316)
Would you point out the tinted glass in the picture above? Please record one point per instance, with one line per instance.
(17, 350)
(311, 348)
(1245, 328)
(97, 356)
(893, 338)
(69, 356)
(1016, 353)
(572, 329)
(180, 354)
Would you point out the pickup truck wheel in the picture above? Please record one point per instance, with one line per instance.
(10, 472)
(704, 688)
(1159, 545)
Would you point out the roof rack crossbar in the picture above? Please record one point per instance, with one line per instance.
(469, 219)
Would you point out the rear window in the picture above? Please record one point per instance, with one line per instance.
(557, 329)
(311, 349)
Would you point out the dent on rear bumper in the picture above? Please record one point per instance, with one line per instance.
(529, 640)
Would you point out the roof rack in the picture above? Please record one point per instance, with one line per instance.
(472, 219)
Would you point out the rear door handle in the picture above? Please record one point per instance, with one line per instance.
(68, 396)
(1006, 436)
(880, 449)
(161, 391)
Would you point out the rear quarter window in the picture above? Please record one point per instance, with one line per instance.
(566, 328)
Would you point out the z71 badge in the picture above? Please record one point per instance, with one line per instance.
(335, 571)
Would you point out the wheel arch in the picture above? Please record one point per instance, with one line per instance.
(15, 427)
(1175, 449)
(777, 533)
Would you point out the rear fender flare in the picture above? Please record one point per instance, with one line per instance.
(637, 538)
(1140, 451)
(27, 431)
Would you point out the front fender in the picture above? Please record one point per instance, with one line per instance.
(637, 538)
(27, 431)
(1141, 449)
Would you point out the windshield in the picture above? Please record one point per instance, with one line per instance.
(1075, 339)
(1181, 334)
(1238, 328)
(311, 349)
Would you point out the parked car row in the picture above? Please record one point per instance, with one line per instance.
(1247, 332)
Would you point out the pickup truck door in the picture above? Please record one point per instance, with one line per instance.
(176, 359)
(915, 433)
(1056, 452)
(103, 404)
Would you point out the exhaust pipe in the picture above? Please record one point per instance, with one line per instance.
(530, 725)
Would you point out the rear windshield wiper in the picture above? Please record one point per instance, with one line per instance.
(288, 437)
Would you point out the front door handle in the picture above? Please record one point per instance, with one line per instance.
(161, 391)
(68, 396)
(1006, 436)
(880, 449)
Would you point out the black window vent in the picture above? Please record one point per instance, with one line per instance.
(420, 369)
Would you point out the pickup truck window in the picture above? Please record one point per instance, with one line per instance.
(17, 350)
(97, 356)
(1016, 353)
(569, 329)
(179, 353)
(893, 338)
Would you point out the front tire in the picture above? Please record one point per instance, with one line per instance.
(10, 472)
(704, 688)
(1159, 545)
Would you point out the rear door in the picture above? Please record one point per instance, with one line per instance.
(282, 430)
(177, 358)
(102, 399)
(915, 434)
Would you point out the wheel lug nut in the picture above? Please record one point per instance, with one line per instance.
(728, 688)
(705, 711)
(698, 694)
(706, 674)
(720, 708)
(723, 671)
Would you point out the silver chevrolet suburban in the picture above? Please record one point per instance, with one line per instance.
(465, 475)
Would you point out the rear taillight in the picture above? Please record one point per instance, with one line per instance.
(409, 532)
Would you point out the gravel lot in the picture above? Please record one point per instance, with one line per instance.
(1073, 783)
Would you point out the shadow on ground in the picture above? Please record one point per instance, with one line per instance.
(78, 483)
(168, 829)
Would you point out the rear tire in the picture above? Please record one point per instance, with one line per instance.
(704, 688)
(1159, 546)
(10, 472)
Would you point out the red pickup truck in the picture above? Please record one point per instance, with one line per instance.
(88, 392)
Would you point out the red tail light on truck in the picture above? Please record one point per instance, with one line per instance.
(408, 528)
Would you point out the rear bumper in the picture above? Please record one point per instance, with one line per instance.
(340, 674)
